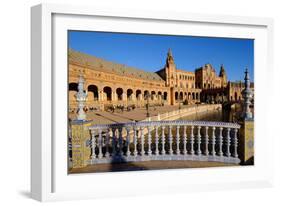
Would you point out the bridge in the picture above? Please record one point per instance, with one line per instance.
(144, 141)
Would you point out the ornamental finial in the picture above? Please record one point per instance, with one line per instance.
(247, 96)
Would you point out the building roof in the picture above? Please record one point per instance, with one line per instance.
(185, 71)
(206, 66)
(102, 65)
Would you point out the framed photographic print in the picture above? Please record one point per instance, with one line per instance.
(146, 101)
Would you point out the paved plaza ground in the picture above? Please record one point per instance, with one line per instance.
(138, 114)
(148, 165)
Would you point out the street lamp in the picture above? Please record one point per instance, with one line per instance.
(147, 104)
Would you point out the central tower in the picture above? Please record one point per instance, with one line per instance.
(170, 69)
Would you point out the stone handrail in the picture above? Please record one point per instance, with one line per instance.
(164, 140)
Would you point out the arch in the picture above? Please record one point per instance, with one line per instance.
(129, 94)
(138, 94)
(197, 96)
(146, 94)
(181, 96)
(93, 92)
(73, 87)
(189, 95)
(108, 91)
(153, 93)
(193, 96)
(119, 92)
(72, 90)
(165, 95)
(159, 95)
(176, 95)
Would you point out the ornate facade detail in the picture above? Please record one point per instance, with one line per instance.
(114, 84)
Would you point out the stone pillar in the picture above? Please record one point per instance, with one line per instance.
(100, 97)
(246, 137)
(114, 96)
(133, 96)
(246, 142)
(81, 150)
(124, 96)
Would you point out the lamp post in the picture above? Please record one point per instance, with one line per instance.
(81, 97)
(147, 104)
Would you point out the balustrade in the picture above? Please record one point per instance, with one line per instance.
(165, 140)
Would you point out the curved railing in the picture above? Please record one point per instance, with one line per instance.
(164, 140)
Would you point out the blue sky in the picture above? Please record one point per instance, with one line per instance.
(148, 52)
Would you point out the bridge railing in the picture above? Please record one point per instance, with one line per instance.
(164, 140)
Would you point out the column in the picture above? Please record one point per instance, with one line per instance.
(235, 143)
(100, 96)
(184, 140)
(135, 142)
(228, 143)
(214, 141)
(178, 140)
(163, 141)
(170, 140)
(156, 141)
(191, 141)
(142, 141)
(198, 141)
(120, 140)
(220, 142)
(100, 155)
(128, 141)
(93, 145)
(149, 152)
(113, 142)
(206, 141)
(107, 143)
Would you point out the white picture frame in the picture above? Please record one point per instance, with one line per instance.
(49, 177)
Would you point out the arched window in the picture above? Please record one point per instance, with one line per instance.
(119, 92)
(146, 94)
(165, 95)
(138, 94)
(129, 94)
(93, 93)
(181, 96)
(72, 90)
(108, 92)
